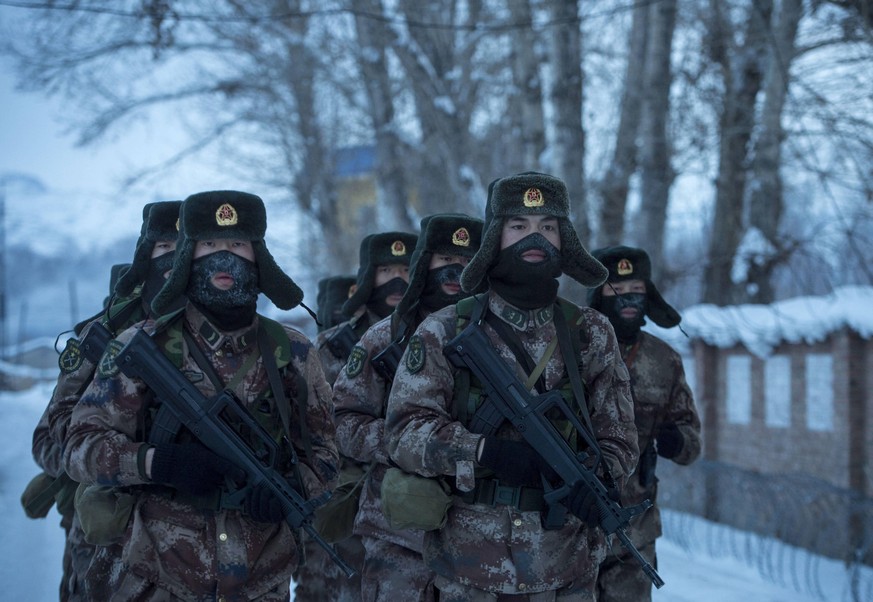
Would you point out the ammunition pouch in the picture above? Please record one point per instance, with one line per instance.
(413, 502)
(44, 491)
(335, 520)
(104, 512)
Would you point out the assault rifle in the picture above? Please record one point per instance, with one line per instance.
(212, 420)
(472, 350)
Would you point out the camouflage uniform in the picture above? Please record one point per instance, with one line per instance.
(332, 363)
(173, 547)
(485, 550)
(393, 567)
(661, 396)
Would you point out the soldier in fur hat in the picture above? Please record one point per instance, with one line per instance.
(184, 538)
(667, 421)
(152, 258)
(383, 274)
(498, 514)
(333, 292)
(393, 568)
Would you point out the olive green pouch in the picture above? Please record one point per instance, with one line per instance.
(39, 495)
(413, 502)
(103, 512)
(335, 520)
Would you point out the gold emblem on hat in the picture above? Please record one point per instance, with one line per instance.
(625, 267)
(533, 198)
(461, 238)
(226, 215)
(398, 248)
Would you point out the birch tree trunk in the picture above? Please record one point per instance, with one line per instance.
(742, 71)
(392, 201)
(656, 174)
(526, 105)
(616, 182)
(765, 194)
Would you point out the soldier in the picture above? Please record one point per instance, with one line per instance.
(665, 414)
(129, 304)
(383, 275)
(333, 292)
(494, 541)
(184, 538)
(382, 278)
(393, 568)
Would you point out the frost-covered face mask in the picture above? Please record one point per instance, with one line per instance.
(244, 291)
(626, 312)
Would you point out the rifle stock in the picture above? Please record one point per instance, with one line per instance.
(207, 419)
(471, 349)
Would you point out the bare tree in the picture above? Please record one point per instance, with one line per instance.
(656, 175)
(615, 185)
(525, 113)
(741, 65)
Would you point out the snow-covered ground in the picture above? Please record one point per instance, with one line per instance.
(689, 554)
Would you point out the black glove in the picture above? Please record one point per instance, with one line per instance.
(263, 506)
(670, 440)
(582, 502)
(191, 468)
(514, 463)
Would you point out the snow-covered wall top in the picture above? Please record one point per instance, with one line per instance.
(760, 328)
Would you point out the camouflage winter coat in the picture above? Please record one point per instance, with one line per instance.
(191, 552)
(330, 361)
(661, 396)
(360, 395)
(498, 547)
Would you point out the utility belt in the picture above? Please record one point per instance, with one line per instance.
(216, 500)
(492, 493)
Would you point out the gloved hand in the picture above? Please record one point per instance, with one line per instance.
(514, 463)
(670, 440)
(191, 468)
(262, 505)
(582, 502)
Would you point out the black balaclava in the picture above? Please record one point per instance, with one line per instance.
(626, 330)
(377, 303)
(525, 284)
(154, 280)
(433, 297)
(231, 309)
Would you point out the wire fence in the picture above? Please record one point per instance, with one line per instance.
(784, 525)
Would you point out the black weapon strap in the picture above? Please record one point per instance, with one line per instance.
(279, 393)
(201, 360)
(512, 340)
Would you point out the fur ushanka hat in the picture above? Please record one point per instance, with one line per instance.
(378, 249)
(223, 214)
(332, 293)
(441, 234)
(630, 263)
(160, 222)
(531, 193)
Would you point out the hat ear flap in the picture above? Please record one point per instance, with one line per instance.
(474, 273)
(576, 261)
(595, 297)
(661, 312)
(138, 270)
(177, 282)
(273, 282)
(362, 292)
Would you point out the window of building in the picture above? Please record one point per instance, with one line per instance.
(739, 389)
(777, 391)
(819, 392)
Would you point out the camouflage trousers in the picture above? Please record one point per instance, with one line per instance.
(321, 580)
(77, 558)
(392, 573)
(621, 579)
(452, 591)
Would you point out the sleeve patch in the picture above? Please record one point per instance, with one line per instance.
(415, 354)
(71, 357)
(107, 367)
(355, 365)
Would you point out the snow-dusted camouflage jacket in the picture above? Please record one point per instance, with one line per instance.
(330, 362)
(498, 547)
(191, 552)
(360, 396)
(661, 396)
